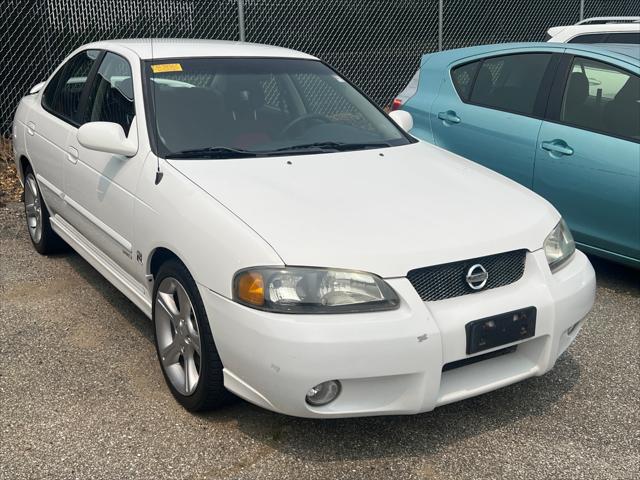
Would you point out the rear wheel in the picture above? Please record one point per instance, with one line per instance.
(44, 239)
(188, 356)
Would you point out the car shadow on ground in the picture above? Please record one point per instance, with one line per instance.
(613, 275)
(391, 435)
(406, 435)
(111, 294)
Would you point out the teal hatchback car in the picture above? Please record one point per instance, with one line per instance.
(562, 120)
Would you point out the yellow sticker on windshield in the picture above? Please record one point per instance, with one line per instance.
(166, 67)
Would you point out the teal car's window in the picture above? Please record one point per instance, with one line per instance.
(602, 98)
(70, 83)
(510, 82)
(111, 95)
(463, 78)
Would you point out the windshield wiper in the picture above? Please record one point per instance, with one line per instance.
(316, 147)
(213, 152)
(339, 146)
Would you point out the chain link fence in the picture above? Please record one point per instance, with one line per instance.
(375, 43)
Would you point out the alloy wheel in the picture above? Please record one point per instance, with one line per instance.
(178, 336)
(33, 208)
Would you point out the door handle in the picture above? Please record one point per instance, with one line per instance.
(449, 116)
(31, 128)
(557, 146)
(72, 155)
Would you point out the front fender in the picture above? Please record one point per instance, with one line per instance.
(209, 239)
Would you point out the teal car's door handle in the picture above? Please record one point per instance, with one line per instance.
(558, 147)
(449, 116)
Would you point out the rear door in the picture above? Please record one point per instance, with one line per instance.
(588, 155)
(490, 110)
(50, 124)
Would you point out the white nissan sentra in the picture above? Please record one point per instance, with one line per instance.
(291, 243)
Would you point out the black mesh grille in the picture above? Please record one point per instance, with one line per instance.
(449, 280)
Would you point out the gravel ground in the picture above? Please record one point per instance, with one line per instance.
(82, 396)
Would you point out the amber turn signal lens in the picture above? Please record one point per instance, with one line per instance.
(250, 288)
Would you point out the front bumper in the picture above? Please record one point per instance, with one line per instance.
(391, 362)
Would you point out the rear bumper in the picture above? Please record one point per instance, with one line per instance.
(391, 362)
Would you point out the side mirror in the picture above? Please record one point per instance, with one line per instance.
(403, 119)
(36, 88)
(109, 137)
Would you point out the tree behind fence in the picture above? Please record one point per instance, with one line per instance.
(375, 43)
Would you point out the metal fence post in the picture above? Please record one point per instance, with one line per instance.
(581, 10)
(241, 19)
(440, 27)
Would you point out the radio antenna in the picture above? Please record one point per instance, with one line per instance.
(159, 173)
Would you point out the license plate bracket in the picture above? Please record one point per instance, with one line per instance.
(501, 329)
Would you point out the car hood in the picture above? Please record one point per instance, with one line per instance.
(385, 211)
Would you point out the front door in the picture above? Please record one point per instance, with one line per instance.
(588, 156)
(101, 186)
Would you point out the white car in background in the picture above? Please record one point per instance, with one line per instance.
(598, 30)
(291, 243)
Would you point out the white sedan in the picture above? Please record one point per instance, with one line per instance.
(291, 243)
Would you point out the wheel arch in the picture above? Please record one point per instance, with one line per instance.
(160, 255)
(23, 163)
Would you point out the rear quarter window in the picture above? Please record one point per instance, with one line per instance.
(463, 77)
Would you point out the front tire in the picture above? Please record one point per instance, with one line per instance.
(44, 239)
(188, 356)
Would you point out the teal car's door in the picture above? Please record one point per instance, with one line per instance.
(490, 110)
(588, 155)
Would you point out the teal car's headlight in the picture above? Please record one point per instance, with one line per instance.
(559, 246)
(312, 290)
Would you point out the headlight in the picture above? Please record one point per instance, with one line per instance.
(312, 290)
(559, 246)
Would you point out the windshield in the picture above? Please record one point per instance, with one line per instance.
(232, 107)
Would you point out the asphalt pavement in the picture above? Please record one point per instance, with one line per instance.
(82, 396)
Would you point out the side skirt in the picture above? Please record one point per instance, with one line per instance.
(614, 257)
(132, 289)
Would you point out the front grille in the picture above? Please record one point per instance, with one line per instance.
(449, 279)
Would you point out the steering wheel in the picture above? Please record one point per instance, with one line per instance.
(303, 119)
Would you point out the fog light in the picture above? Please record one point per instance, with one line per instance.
(323, 393)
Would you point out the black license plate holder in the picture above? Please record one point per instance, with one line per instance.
(509, 327)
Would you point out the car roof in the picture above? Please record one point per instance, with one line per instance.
(628, 49)
(627, 52)
(156, 48)
(593, 28)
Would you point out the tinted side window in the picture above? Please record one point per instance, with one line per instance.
(70, 84)
(463, 78)
(510, 82)
(50, 90)
(589, 38)
(111, 95)
(626, 37)
(603, 98)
